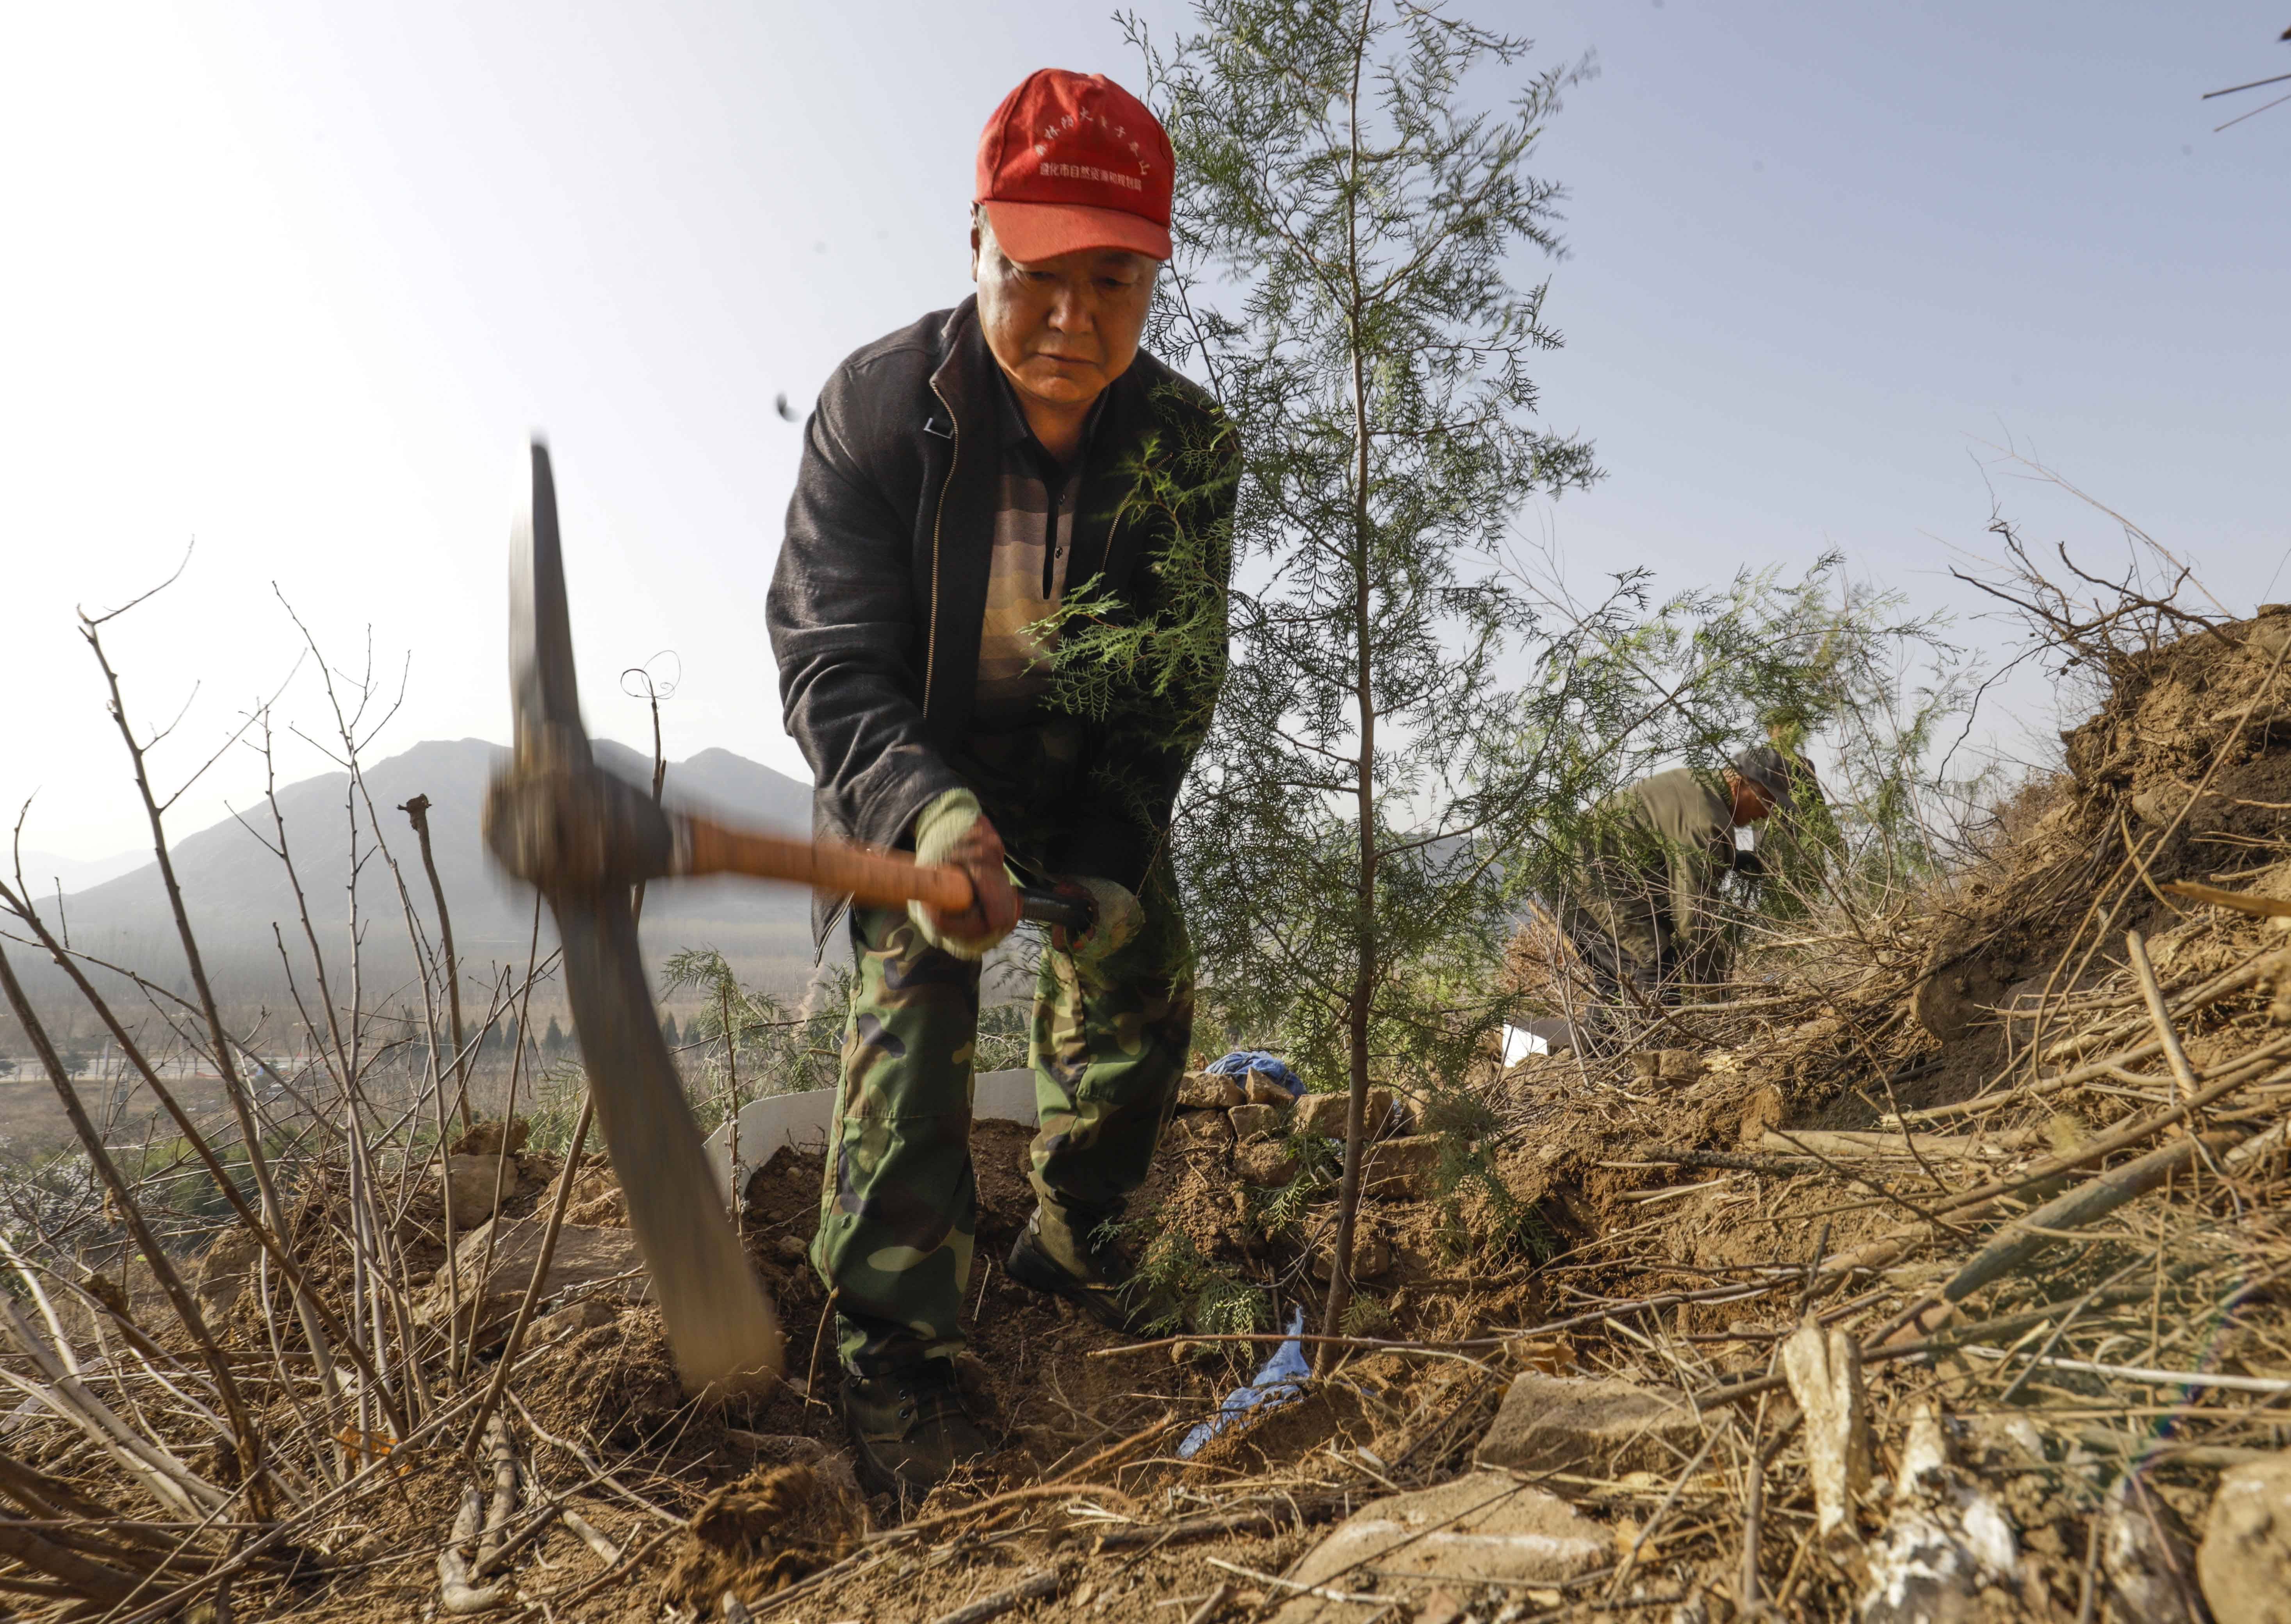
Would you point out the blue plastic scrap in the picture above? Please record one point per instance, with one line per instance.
(1278, 1382)
(1243, 1061)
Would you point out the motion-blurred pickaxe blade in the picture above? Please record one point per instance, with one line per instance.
(545, 694)
(720, 1321)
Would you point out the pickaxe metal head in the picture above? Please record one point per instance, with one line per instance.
(720, 1321)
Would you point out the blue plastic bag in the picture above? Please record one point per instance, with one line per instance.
(1243, 1061)
(1279, 1381)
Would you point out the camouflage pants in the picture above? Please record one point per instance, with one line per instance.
(898, 1209)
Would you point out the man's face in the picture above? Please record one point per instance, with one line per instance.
(1751, 801)
(1062, 328)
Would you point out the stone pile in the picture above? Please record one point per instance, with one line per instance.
(1255, 1120)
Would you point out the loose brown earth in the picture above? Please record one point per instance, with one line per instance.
(1582, 1218)
(608, 1384)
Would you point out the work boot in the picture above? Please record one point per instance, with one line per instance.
(1074, 1256)
(908, 1429)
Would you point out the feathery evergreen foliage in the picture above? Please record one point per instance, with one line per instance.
(743, 1043)
(1347, 232)
(1415, 726)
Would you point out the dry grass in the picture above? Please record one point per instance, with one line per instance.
(2019, 1138)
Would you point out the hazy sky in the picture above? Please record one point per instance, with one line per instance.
(296, 279)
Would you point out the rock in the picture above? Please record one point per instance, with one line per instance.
(1946, 1539)
(1262, 1090)
(2245, 1562)
(471, 1182)
(790, 1248)
(1594, 1428)
(1371, 1256)
(1252, 1122)
(1264, 1162)
(1763, 1110)
(2148, 1556)
(609, 1211)
(1199, 1130)
(1401, 1168)
(1209, 1091)
(1324, 1114)
(584, 1257)
(1485, 1528)
(225, 1270)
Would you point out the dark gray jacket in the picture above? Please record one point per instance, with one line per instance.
(876, 606)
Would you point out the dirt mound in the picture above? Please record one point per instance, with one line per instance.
(1051, 1379)
(769, 1529)
(2181, 774)
(1955, 1122)
(611, 1382)
(490, 1138)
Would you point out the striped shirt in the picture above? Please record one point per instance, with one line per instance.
(1026, 577)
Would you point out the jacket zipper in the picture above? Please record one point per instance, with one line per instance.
(938, 518)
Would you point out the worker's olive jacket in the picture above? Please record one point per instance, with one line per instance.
(1658, 853)
(876, 603)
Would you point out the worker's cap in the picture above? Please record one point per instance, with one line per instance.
(1770, 770)
(1072, 161)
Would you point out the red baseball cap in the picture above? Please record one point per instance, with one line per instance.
(1071, 161)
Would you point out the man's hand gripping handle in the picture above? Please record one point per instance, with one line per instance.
(584, 831)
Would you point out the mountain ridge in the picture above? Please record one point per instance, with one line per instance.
(237, 890)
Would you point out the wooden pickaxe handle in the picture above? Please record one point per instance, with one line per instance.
(578, 830)
(870, 875)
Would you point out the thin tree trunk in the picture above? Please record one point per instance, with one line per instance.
(234, 1089)
(417, 813)
(659, 780)
(1365, 940)
(563, 1197)
(732, 1103)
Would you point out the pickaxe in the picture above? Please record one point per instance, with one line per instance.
(584, 838)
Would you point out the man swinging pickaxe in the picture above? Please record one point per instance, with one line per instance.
(584, 838)
(966, 481)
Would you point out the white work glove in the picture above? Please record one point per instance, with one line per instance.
(952, 829)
